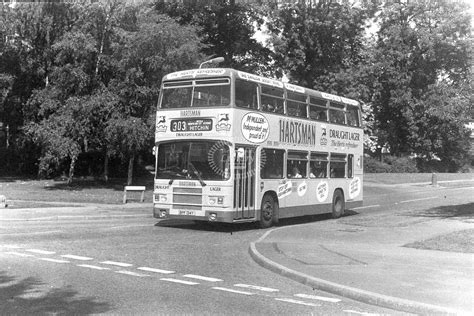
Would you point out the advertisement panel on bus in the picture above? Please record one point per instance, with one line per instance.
(258, 128)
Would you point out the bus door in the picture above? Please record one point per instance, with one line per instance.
(244, 182)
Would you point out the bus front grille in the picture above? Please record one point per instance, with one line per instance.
(187, 196)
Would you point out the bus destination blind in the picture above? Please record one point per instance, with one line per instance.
(191, 125)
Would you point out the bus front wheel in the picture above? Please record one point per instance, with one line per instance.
(268, 211)
(338, 204)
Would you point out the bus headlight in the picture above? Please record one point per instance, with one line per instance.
(161, 198)
(213, 200)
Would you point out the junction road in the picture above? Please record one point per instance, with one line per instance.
(136, 265)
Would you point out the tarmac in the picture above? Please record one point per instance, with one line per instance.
(361, 257)
(72, 211)
(365, 258)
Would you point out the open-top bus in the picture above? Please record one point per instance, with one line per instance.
(236, 147)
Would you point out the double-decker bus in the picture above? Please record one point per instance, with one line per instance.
(236, 147)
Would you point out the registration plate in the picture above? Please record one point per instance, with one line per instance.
(186, 212)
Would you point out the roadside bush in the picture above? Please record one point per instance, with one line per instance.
(401, 164)
(373, 165)
(444, 166)
(391, 164)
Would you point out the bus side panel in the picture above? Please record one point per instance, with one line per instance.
(301, 197)
(304, 210)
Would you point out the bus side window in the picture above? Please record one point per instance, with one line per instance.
(246, 94)
(336, 116)
(296, 104)
(271, 163)
(272, 99)
(317, 113)
(318, 109)
(353, 116)
(337, 113)
(337, 164)
(296, 164)
(318, 165)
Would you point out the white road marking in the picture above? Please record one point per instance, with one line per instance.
(320, 298)
(76, 257)
(155, 270)
(368, 206)
(42, 252)
(34, 233)
(19, 254)
(126, 226)
(54, 260)
(232, 291)
(179, 281)
(360, 313)
(12, 247)
(256, 287)
(422, 199)
(132, 273)
(120, 264)
(200, 277)
(290, 300)
(92, 267)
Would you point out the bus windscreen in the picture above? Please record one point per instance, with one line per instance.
(196, 93)
(201, 160)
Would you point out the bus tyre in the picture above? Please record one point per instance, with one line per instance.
(268, 211)
(338, 204)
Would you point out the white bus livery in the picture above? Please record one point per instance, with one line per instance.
(235, 147)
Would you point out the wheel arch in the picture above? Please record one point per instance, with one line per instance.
(338, 209)
(274, 196)
(341, 190)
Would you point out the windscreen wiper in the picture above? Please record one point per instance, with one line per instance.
(196, 172)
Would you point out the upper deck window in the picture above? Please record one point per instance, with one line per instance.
(246, 95)
(353, 116)
(272, 99)
(196, 93)
(336, 113)
(296, 104)
(318, 109)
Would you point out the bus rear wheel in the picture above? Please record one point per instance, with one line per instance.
(268, 211)
(338, 204)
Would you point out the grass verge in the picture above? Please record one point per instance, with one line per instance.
(400, 178)
(37, 193)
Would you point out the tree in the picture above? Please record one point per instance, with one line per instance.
(62, 124)
(157, 46)
(314, 41)
(28, 33)
(421, 61)
(103, 85)
(228, 30)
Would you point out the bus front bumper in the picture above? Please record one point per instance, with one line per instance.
(209, 215)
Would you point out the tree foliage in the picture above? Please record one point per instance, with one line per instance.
(83, 78)
(314, 41)
(421, 63)
(98, 84)
(228, 30)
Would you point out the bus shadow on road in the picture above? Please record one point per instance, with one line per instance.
(236, 227)
(207, 226)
